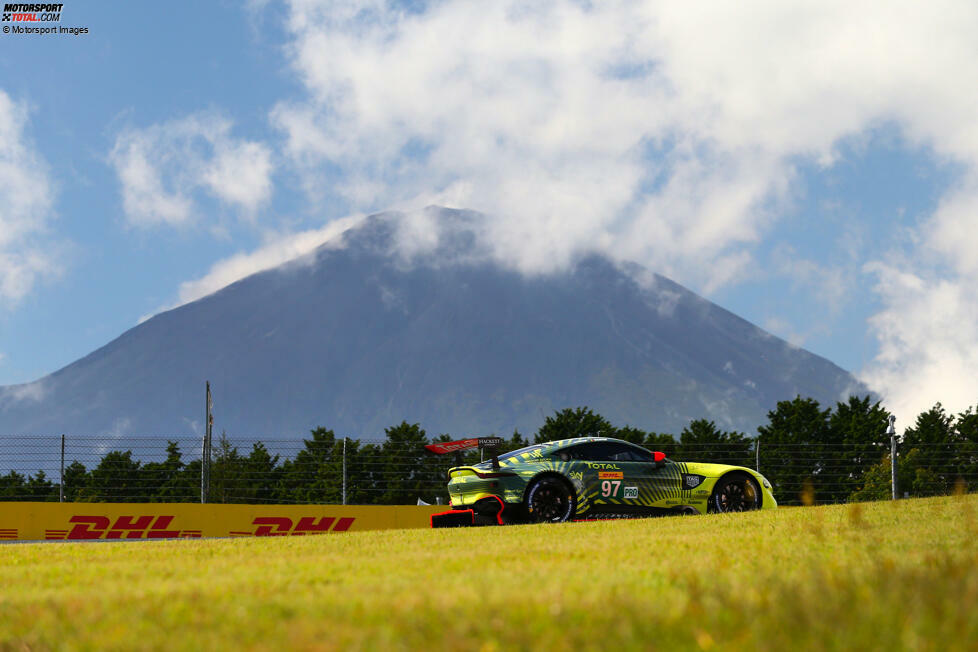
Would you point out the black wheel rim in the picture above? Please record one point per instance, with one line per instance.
(737, 496)
(550, 503)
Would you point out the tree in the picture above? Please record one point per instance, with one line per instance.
(661, 441)
(116, 479)
(966, 427)
(912, 478)
(227, 472)
(857, 440)
(411, 473)
(165, 481)
(943, 450)
(702, 441)
(792, 447)
(316, 473)
(579, 422)
(12, 486)
(76, 480)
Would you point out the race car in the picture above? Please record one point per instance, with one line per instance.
(590, 478)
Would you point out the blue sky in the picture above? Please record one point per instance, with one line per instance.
(810, 168)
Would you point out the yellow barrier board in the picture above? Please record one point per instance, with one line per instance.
(80, 521)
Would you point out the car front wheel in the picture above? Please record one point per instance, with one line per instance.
(735, 492)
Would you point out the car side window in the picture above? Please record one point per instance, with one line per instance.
(633, 455)
(603, 451)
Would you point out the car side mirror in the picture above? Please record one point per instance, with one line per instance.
(659, 458)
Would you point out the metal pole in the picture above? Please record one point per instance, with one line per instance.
(61, 488)
(344, 470)
(757, 455)
(203, 466)
(205, 448)
(891, 431)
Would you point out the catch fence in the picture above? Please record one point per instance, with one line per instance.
(336, 470)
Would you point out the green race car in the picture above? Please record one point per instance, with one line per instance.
(592, 477)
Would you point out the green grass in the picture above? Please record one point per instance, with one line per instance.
(870, 576)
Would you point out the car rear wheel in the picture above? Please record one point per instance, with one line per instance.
(550, 500)
(736, 492)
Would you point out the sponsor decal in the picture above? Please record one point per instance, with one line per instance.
(691, 480)
(577, 475)
(152, 526)
(280, 526)
(611, 475)
(147, 526)
(701, 492)
(631, 492)
(602, 465)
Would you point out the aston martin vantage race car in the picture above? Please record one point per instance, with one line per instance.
(590, 478)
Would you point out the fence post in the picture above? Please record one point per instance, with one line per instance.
(61, 485)
(205, 448)
(891, 431)
(344, 470)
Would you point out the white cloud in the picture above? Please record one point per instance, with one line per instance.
(26, 199)
(665, 133)
(162, 168)
(35, 392)
(544, 117)
(928, 342)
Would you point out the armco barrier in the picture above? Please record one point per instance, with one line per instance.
(80, 521)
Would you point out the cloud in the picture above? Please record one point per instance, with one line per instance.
(666, 133)
(928, 343)
(26, 201)
(34, 392)
(164, 168)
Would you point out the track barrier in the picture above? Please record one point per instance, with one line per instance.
(33, 521)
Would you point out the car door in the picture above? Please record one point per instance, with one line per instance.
(616, 476)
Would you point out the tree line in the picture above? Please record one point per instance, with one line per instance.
(808, 452)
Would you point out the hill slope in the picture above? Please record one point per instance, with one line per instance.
(355, 337)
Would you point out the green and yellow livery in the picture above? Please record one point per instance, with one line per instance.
(590, 478)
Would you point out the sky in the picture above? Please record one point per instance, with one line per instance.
(811, 167)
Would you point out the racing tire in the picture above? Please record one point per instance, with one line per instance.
(550, 500)
(736, 492)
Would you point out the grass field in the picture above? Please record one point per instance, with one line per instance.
(872, 576)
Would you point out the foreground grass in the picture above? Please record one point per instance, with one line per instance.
(871, 576)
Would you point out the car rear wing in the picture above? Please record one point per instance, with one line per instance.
(482, 443)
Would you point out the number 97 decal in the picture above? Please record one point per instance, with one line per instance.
(609, 488)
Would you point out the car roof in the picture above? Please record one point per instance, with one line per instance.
(564, 443)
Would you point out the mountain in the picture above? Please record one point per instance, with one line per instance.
(358, 336)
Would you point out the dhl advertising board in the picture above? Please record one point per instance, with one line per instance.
(87, 521)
